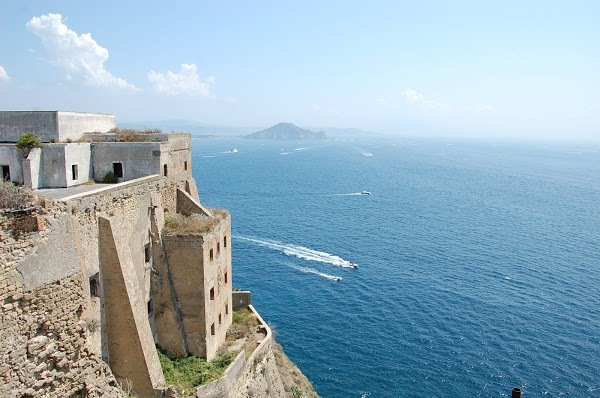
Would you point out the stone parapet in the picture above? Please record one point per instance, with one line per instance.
(240, 375)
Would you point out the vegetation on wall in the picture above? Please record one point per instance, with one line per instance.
(189, 372)
(28, 141)
(14, 197)
(133, 135)
(110, 178)
(179, 224)
(244, 326)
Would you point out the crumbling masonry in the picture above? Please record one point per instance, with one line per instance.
(90, 283)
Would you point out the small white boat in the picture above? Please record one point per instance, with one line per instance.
(234, 150)
(365, 193)
(353, 264)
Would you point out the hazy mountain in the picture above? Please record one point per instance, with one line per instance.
(199, 129)
(287, 131)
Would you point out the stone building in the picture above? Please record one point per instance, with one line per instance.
(77, 148)
(95, 280)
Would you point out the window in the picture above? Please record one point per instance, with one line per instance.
(118, 169)
(220, 321)
(185, 165)
(226, 309)
(225, 277)
(6, 173)
(165, 170)
(218, 248)
(150, 306)
(212, 255)
(212, 293)
(95, 285)
(147, 252)
(225, 241)
(212, 329)
(74, 172)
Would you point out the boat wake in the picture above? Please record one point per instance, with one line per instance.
(308, 270)
(352, 194)
(302, 252)
(215, 154)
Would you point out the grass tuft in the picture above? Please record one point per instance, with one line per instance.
(187, 373)
(15, 197)
(179, 224)
(134, 135)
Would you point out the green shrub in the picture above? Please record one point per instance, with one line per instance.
(189, 372)
(110, 178)
(28, 141)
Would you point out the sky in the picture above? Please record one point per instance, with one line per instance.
(514, 69)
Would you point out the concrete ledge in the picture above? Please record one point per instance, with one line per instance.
(115, 187)
(221, 388)
(266, 343)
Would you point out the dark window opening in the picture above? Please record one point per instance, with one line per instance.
(6, 173)
(212, 255)
(220, 321)
(147, 252)
(95, 285)
(150, 306)
(212, 329)
(165, 170)
(224, 241)
(225, 277)
(212, 293)
(218, 248)
(226, 309)
(75, 172)
(185, 165)
(118, 169)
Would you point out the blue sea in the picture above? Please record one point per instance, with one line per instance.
(478, 262)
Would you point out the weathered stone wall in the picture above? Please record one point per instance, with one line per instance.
(14, 124)
(53, 166)
(131, 353)
(32, 169)
(45, 283)
(256, 376)
(12, 157)
(72, 125)
(57, 126)
(78, 155)
(43, 331)
(185, 258)
(241, 299)
(217, 277)
(138, 159)
(176, 153)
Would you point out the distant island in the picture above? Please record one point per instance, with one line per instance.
(287, 131)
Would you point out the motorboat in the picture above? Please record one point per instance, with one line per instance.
(353, 264)
(365, 193)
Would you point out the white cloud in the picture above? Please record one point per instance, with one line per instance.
(416, 97)
(480, 108)
(3, 75)
(77, 54)
(186, 82)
